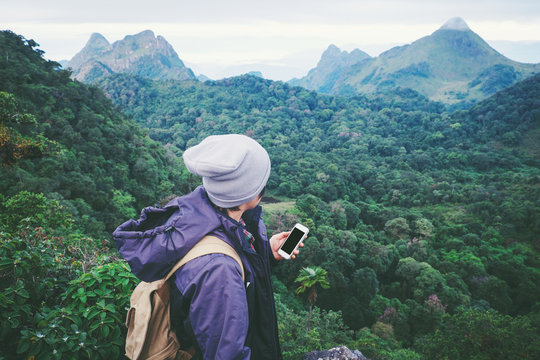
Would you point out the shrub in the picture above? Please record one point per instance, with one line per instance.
(326, 331)
(376, 348)
(33, 274)
(33, 210)
(474, 334)
(91, 323)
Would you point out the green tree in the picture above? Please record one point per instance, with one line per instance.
(397, 228)
(27, 209)
(309, 278)
(123, 203)
(482, 335)
(14, 145)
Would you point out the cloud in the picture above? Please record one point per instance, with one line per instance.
(255, 40)
(299, 11)
(233, 32)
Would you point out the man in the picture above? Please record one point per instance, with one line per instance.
(212, 308)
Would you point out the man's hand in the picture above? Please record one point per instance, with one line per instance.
(277, 240)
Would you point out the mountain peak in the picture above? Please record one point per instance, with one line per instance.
(95, 37)
(141, 54)
(333, 54)
(333, 48)
(94, 48)
(97, 42)
(456, 23)
(145, 34)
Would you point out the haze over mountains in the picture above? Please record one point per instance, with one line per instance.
(452, 65)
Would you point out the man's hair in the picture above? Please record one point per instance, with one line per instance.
(236, 208)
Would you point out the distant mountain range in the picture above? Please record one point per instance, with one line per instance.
(142, 54)
(453, 64)
(333, 61)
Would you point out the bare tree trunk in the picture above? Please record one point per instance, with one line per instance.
(309, 318)
(312, 297)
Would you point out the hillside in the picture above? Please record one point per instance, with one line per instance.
(372, 170)
(425, 221)
(451, 65)
(297, 125)
(101, 165)
(141, 54)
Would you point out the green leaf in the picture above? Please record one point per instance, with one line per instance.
(23, 346)
(14, 323)
(94, 326)
(93, 313)
(105, 331)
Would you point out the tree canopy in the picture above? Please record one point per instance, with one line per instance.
(425, 220)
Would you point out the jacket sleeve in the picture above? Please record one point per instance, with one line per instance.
(218, 308)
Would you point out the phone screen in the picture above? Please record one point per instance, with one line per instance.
(294, 238)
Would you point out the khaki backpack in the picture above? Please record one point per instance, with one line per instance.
(148, 320)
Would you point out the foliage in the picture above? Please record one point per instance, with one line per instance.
(421, 218)
(37, 272)
(26, 209)
(309, 278)
(94, 153)
(382, 348)
(34, 270)
(90, 323)
(327, 330)
(13, 145)
(473, 334)
(407, 205)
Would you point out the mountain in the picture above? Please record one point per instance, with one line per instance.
(98, 159)
(333, 61)
(451, 65)
(426, 222)
(63, 63)
(142, 54)
(255, 73)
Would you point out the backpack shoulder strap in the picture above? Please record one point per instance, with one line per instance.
(208, 245)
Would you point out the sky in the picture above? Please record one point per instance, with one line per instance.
(280, 38)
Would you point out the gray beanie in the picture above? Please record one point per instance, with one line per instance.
(234, 168)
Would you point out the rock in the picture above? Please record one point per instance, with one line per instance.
(338, 353)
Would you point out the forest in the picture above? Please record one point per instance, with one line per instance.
(424, 220)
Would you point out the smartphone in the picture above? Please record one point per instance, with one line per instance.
(298, 233)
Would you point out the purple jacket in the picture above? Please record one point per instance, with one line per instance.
(211, 307)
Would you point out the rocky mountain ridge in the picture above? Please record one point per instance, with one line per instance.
(329, 68)
(141, 54)
(451, 65)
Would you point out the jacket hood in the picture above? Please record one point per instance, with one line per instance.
(161, 236)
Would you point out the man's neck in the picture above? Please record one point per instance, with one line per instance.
(236, 215)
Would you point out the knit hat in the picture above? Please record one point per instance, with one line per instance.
(234, 168)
